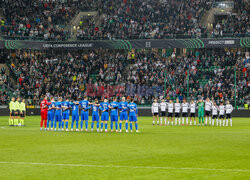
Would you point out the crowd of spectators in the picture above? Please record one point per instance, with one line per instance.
(144, 75)
(235, 23)
(137, 19)
(37, 19)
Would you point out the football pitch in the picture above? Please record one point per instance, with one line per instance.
(157, 152)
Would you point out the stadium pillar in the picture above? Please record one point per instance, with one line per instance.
(165, 84)
(188, 85)
(235, 88)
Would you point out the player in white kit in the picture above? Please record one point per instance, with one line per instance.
(155, 111)
(221, 113)
(177, 110)
(163, 107)
(170, 111)
(184, 107)
(192, 112)
(214, 113)
(229, 110)
(208, 107)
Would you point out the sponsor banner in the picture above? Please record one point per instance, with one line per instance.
(127, 44)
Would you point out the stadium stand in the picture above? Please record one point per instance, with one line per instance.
(104, 73)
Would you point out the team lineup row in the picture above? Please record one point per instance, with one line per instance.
(53, 113)
(177, 109)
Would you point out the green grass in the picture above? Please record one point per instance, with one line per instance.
(157, 152)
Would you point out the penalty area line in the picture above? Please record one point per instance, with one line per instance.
(133, 167)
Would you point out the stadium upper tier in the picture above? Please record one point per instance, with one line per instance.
(127, 19)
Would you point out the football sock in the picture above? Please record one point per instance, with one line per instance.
(217, 122)
(213, 122)
(97, 124)
(175, 121)
(131, 126)
(77, 124)
(62, 124)
(194, 122)
(92, 125)
(106, 126)
(72, 124)
(161, 120)
(182, 120)
(51, 124)
(199, 120)
(223, 122)
(158, 121)
(81, 124)
(111, 125)
(101, 125)
(172, 122)
(126, 125)
(165, 120)
(153, 122)
(227, 122)
(220, 122)
(231, 122)
(187, 120)
(41, 123)
(67, 124)
(120, 126)
(11, 122)
(59, 124)
(116, 125)
(86, 124)
(47, 123)
(55, 125)
(209, 120)
(136, 126)
(22, 122)
(179, 121)
(202, 119)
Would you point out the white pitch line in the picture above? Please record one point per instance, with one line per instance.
(134, 167)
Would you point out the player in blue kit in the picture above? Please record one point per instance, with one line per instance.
(51, 114)
(75, 114)
(65, 114)
(133, 113)
(114, 114)
(104, 107)
(58, 114)
(123, 107)
(95, 115)
(84, 106)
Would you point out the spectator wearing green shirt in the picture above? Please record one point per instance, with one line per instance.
(22, 112)
(12, 111)
(17, 111)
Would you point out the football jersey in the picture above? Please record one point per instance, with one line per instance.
(163, 106)
(170, 107)
(123, 106)
(133, 111)
(84, 104)
(75, 108)
(229, 109)
(104, 106)
(114, 110)
(214, 110)
(66, 104)
(155, 108)
(58, 105)
(95, 110)
(221, 110)
(177, 107)
(184, 107)
(192, 107)
(208, 106)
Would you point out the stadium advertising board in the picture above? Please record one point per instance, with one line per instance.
(127, 44)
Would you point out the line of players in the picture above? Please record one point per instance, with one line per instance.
(177, 109)
(53, 113)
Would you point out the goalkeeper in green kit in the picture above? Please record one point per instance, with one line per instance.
(201, 111)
